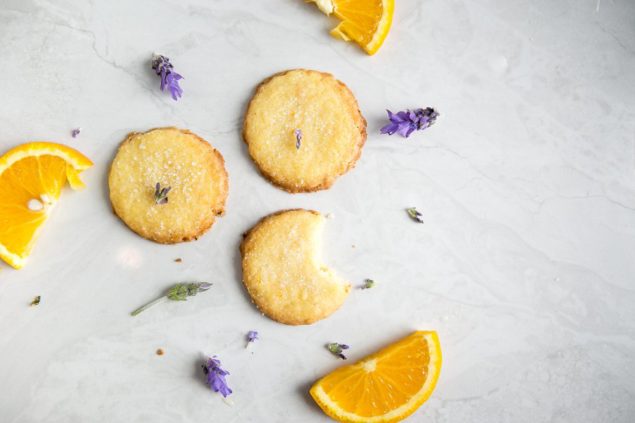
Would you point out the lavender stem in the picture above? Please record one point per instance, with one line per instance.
(150, 304)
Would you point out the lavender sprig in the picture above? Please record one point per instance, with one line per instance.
(216, 376)
(414, 214)
(407, 121)
(298, 138)
(169, 79)
(161, 194)
(178, 292)
(337, 349)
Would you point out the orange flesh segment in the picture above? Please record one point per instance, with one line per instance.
(366, 22)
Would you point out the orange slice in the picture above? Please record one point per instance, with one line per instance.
(365, 22)
(31, 179)
(386, 386)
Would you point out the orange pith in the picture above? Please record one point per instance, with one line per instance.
(386, 386)
(32, 176)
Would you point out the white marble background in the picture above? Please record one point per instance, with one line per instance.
(525, 264)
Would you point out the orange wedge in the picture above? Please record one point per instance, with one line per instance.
(365, 22)
(31, 179)
(387, 386)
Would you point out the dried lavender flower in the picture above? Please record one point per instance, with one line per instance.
(161, 194)
(169, 79)
(75, 132)
(252, 336)
(407, 121)
(368, 283)
(216, 376)
(298, 138)
(337, 349)
(181, 291)
(414, 214)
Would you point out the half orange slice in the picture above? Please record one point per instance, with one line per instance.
(32, 176)
(384, 387)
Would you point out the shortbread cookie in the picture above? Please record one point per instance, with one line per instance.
(283, 271)
(191, 191)
(304, 129)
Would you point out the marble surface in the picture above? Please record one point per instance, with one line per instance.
(524, 264)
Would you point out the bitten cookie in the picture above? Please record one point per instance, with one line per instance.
(191, 191)
(304, 129)
(283, 271)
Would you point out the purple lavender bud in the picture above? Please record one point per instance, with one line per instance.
(252, 335)
(298, 138)
(161, 194)
(169, 79)
(337, 349)
(216, 376)
(407, 121)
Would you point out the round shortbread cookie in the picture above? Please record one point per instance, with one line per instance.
(175, 158)
(323, 109)
(283, 271)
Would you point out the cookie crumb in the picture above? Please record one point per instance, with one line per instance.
(160, 351)
(178, 260)
(353, 246)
